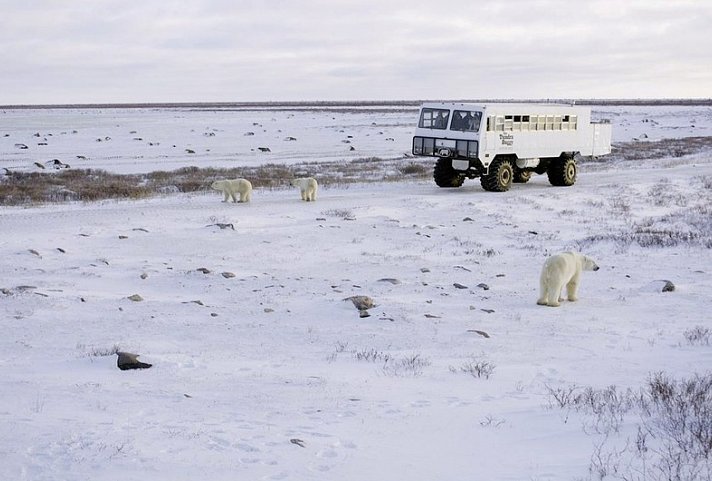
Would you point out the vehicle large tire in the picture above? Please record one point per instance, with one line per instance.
(500, 177)
(521, 176)
(562, 171)
(445, 176)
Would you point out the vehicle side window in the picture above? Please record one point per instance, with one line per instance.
(466, 121)
(434, 118)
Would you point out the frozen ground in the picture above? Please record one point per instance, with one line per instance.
(142, 140)
(270, 374)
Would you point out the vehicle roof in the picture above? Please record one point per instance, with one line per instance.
(507, 107)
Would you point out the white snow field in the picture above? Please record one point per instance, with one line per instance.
(271, 374)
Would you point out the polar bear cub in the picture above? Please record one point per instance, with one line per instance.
(308, 187)
(231, 187)
(562, 270)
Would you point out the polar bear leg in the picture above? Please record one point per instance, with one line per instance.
(311, 195)
(303, 193)
(572, 288)
(552, 295)
(543, 300)
(226, 195)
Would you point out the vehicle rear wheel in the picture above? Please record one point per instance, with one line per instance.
(521, 176)
(445, 176)
(500, 177)
(562, 171)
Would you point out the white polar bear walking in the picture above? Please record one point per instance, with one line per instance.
(308, 187)
(232, 187)
(562, 270)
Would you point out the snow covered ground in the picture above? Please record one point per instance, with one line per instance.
(142, 140)
(271, 374)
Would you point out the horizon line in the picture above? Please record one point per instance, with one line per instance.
(359, 103)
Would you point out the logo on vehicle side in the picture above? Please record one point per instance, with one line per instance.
(507, 139)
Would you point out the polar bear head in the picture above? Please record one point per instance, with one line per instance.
(588, 264)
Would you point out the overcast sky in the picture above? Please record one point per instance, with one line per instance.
(86, 51)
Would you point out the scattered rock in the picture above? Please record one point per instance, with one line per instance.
(290, 139)
(352, 148)
(298, 442)
(459, 286)
(227, 275)
(268, 310)
(34, 252)
(204, 270)
(57, 164)
(135, 298)
(361, 302)
(432, 316)
(264, 149)
(127, 360)
(38, 165)
(483, 286)
(61, 250)
(424, 270)
(488, 311)
(390, 280)
(222, 226)
(659, 286)
(189, 151)
(363, 313)
(468, 219)
(122, 237)
(21, 146)
(144, 276)
(481, 333)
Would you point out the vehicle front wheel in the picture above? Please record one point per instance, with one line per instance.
(562, 171)
(500, 177)
(445, 176)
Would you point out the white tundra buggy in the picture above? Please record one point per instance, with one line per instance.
(503, 143)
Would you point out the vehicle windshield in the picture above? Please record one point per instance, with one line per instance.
(434, 118)
(466, 120)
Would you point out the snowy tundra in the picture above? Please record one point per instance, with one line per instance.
(262, 369)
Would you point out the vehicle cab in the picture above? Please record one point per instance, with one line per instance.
(448, 130)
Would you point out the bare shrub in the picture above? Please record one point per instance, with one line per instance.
(409, 365)
(663, 194)
(673, 428)
(415, 170)
(342, 213)
(99, 351)
(18, 188)
(477, 368)
(562, 397)
(698, 335)
(372, 355)
(691, 226)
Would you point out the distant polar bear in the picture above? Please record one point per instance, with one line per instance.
(562, 270)
(308, 186)
(232, 187)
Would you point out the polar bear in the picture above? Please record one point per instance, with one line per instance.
(308, 186)
(232, 187)
(562, 270)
